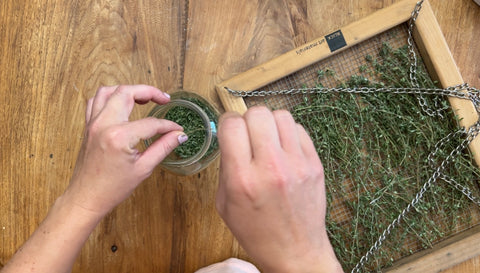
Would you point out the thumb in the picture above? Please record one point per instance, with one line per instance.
(162, 147)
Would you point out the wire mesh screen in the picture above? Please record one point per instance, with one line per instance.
(376, 150)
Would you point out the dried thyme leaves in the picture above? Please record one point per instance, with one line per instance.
(193, 125)
(374, 148)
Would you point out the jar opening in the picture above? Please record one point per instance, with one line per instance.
(197, 126)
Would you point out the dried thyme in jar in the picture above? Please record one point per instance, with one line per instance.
(199, 120)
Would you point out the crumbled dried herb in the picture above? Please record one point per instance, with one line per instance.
(193, 125)
(374, 148)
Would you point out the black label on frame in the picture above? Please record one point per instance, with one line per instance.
(335, 40)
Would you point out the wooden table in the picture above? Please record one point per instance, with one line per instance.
(54, 55)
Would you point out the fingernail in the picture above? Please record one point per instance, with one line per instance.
(166, 95)
(182, 138)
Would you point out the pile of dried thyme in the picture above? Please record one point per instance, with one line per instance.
(374, 148)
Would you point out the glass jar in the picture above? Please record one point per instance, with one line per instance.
(199, 120)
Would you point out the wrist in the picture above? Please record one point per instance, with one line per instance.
(308, 260)
(83, 197)
(72, 204)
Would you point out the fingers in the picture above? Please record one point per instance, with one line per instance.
(267, 131)
(101, 98)
(88, 112)
(287, 131)
(230, 265)
(306, 144)
(121, 102)
(234, 140)
(118, 101)
(235, 154)
(263, 132)
(158, 150)
(147, 128)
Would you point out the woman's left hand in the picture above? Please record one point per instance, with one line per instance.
(109, 167)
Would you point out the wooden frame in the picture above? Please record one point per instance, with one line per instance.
(441, 66)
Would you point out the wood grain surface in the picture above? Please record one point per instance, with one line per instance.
(55, 54)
